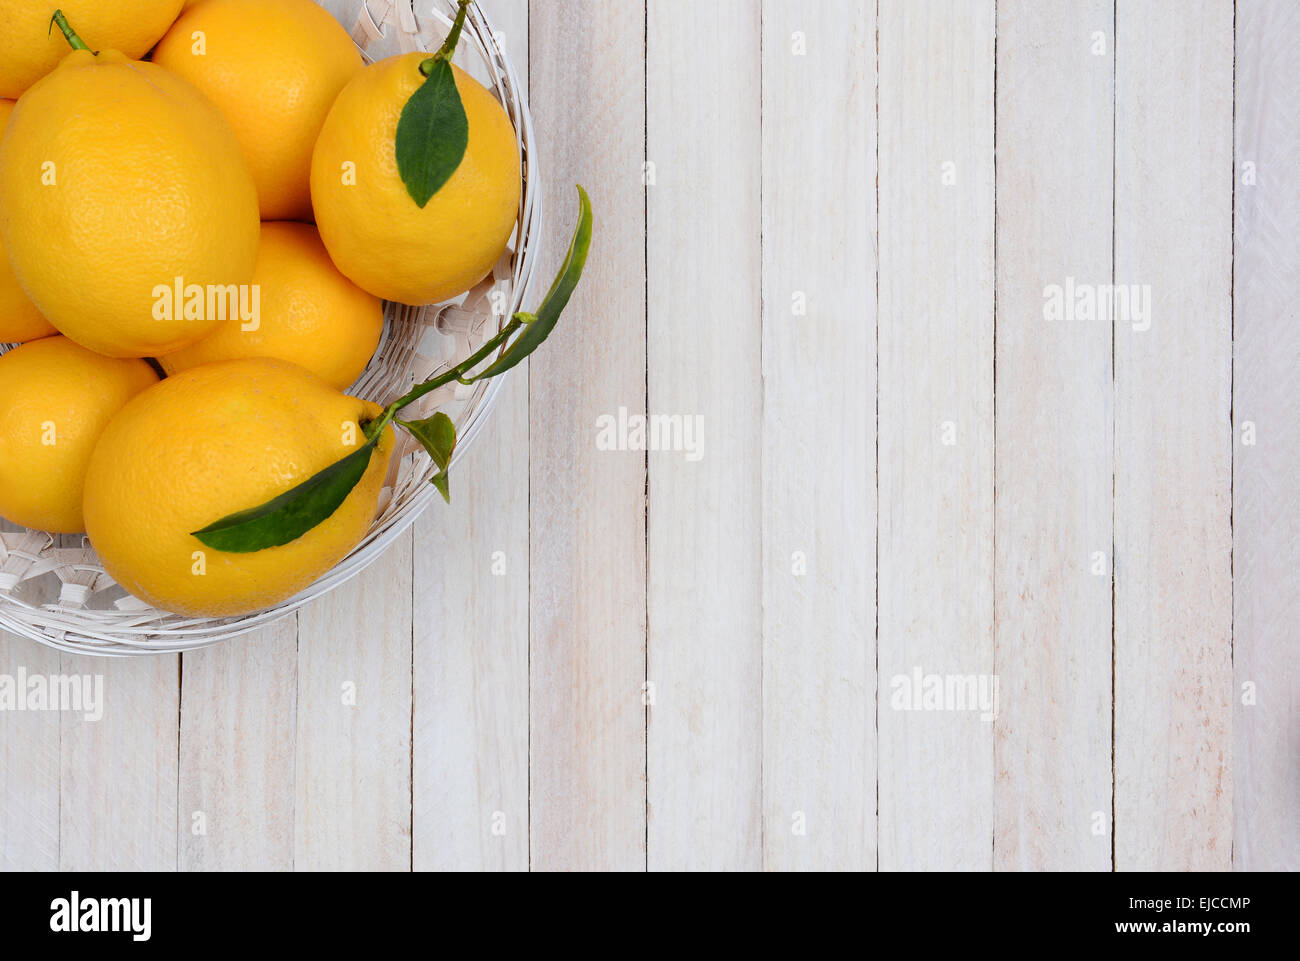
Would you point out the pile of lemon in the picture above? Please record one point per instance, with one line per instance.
(200, 216)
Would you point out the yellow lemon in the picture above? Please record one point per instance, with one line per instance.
(274, 68)
(376, 234)
(211, 442)
(29, 49)
(307, 312)
(120, 183)
(57, 398)
(20, 321)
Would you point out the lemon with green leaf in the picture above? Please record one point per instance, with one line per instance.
(220, 438)
(415, 179)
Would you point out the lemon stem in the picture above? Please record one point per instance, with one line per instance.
(453, 38)
(457, 373)
(61, 22)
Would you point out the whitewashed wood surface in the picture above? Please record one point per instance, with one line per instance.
(826, 231)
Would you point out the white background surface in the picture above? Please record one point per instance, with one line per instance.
(829, 540)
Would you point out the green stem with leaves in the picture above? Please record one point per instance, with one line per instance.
(297, 511)
(455, 375)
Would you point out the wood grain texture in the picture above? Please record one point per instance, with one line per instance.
(470, 764)
(1173, 462)
(819, 435)
(118, 781)
(238, 723)
(29, 767)
(1266, 413)
(704, 275)
(1054, 420)
(352, 801)
(936, 429)
(471, 659)
(588, 539)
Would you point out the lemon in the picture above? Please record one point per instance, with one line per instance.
(309, 313)
(119, 181)
(376, 234)
(208, 443)
(57, 398)
(20, 321)
(29, 49)
(274, 68)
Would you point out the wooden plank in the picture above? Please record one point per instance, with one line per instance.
(1054, 421)
(588, 534)
(118, 780)
(1173, 461)
(819, 435)
(705, 296)
(238, 720)
(471, 658)
(352, 808)
(936, 431)
(470, 767)
(29, 766)
(1266, 412)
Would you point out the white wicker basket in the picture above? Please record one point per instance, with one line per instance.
(54, 590)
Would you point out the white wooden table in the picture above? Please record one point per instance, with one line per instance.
(831, 229)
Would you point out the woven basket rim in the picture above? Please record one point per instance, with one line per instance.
(140, 630)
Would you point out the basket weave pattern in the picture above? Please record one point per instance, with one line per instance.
(54, 589)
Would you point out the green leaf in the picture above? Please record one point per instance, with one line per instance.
(539, 327)
(438, 435)
(442, 482)
(292, 514)
(432, 134)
